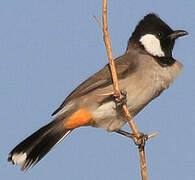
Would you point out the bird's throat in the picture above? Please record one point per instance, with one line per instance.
(165, 61)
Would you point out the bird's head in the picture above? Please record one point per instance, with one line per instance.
(155, 37)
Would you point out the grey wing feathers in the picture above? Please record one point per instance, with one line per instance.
(101, 79)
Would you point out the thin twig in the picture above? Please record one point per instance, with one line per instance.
(131, 122)
(113, 69)
(153, 135)
(132, 136)
(109, 50)
(143, 163)
(97, 20)
(117, 90)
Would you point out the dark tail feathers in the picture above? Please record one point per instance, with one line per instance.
(35, 147)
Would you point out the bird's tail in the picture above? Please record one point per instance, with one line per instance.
(36, 146)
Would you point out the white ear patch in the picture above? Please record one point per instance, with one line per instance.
(152, 45)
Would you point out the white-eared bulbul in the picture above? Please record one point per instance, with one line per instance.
(144, 71)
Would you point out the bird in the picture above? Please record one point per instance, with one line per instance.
(144, 71)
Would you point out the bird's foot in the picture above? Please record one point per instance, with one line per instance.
(121, 100)
(139, 141)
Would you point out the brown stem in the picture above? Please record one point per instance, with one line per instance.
(109, 50)
(113, 69)
(131, 122)
(117, 90)
(143, 163)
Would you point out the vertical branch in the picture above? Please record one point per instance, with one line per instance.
(117, 93)
(131, 122)
(113, 69)
(109, 50)
(143, 164)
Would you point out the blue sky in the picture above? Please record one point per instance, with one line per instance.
(47, 48)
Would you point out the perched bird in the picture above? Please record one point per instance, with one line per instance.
(144, 71)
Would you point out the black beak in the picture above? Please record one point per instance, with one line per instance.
(177, 33)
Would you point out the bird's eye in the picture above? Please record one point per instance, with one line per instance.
(159, 34)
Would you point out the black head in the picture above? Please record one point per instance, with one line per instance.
(155, 37)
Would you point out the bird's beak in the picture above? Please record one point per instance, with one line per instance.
(177, 33)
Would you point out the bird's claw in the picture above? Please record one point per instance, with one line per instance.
(121, 100)
(140, 141)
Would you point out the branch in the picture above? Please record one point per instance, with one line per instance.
(117, 92)
(109, 50)
(99, 23)
(143, 163)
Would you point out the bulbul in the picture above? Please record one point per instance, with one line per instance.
(144, 71)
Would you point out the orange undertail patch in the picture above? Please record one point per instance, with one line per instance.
(80, 118)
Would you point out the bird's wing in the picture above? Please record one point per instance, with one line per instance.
(124, 66)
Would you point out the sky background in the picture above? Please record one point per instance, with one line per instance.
(48, 47)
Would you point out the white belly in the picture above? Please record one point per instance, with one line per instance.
(107, 117)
